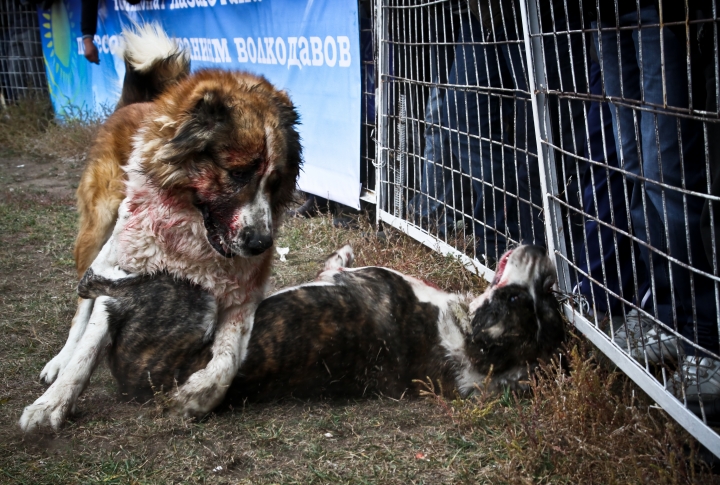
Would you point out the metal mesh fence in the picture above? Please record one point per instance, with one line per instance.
(469, 144)
(588, 126)
(367, 135)
(22, 71)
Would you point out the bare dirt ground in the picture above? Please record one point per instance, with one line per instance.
(588, 425)
(35, 174)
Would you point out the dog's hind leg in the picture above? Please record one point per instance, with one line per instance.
(52, 408)
(95, 228)
(99, 194)
(337, 261)
(342, 258)
(56, 365)
(98, 212)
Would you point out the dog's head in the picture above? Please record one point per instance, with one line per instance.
(517, 320)
(227, 143)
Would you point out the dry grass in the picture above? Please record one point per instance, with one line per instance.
(30, 127)
(587, 425)
(312, 240)
(584, 424)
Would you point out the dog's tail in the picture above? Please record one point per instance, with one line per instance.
(153, 62)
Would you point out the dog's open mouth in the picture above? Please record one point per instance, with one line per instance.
(218, 244)
(212, 232)
(501, 267)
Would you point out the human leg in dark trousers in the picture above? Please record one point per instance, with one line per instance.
(663, 218)
(436, 186)
(475, 140)
(606, 253)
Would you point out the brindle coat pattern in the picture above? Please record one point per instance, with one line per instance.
(366, 334)
(327, 340)
(142, 319)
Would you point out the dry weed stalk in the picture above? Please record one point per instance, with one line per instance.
(596, 426)
(30, 127)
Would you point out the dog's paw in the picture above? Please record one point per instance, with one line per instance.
(52, 369)
(45, 413)
(84, 287)
(198, 396)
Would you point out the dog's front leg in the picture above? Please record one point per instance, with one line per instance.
(206, 388)
(79, 323)
(105, 266)
(53, 407)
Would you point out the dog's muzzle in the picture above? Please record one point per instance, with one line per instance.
(254, 241)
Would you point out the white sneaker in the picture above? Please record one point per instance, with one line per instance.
(644, 337)
(702, 378)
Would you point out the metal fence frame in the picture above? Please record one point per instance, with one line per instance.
(394, 113)
(22, 66)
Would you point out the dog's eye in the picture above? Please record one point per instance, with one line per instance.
(273, 181)
(241, 177)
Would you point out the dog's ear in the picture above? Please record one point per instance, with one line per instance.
(207, 119)
(552, 324)
(289, 120)
(509, 316)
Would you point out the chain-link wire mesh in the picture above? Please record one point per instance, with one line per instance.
(22, 70)
(588, 126)
(367, 135)
(471, 178)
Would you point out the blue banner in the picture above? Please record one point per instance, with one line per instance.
(310, 48)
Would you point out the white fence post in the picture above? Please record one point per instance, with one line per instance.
(537, 82)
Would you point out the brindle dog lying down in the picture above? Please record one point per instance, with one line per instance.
(351, 333)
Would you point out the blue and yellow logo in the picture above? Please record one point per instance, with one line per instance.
(66, 68)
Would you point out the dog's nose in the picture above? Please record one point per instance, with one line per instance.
(256, 242)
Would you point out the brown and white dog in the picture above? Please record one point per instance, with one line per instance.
(191, 184)
(350, 333)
